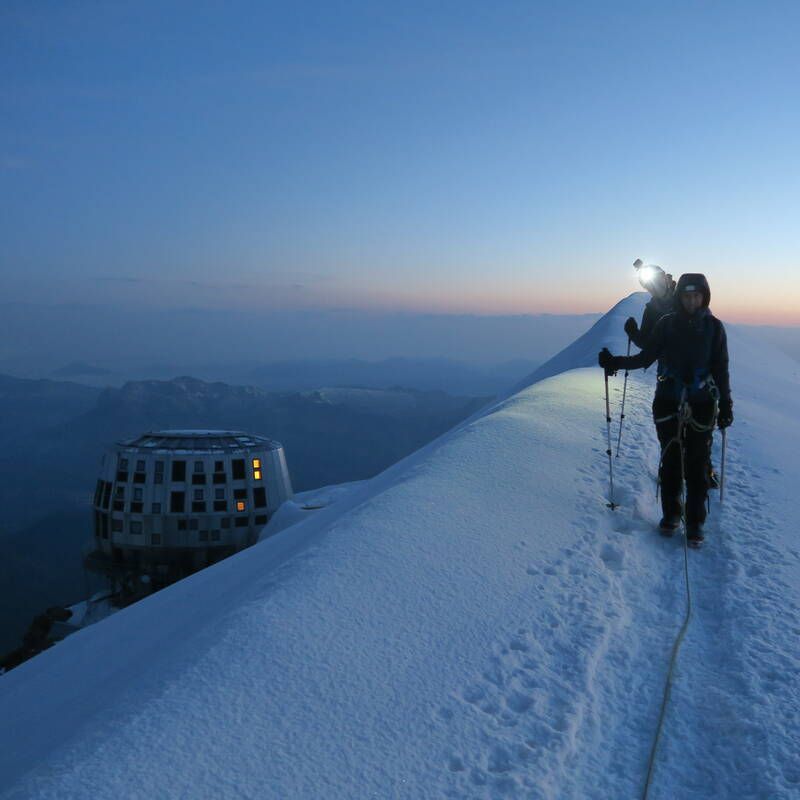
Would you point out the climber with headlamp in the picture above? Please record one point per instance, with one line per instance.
(692, 395)
(662, 301)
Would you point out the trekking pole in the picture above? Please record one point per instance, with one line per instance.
(624, 391)
(722, 467)
(611, 504)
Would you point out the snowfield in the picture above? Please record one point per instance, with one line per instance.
(471, 623)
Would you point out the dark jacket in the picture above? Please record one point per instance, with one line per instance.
(656, 308)
(689, 349)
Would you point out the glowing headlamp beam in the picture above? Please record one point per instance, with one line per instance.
(647, 275)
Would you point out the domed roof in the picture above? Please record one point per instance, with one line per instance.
(201, 440)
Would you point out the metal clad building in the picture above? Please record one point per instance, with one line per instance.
(171, 502)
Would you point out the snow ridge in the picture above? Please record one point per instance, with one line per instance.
(472, 623)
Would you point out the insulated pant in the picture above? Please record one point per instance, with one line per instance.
(697, 461)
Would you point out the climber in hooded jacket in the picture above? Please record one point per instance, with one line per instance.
(662, 301)
(691, 347)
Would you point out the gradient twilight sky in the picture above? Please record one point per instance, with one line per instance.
(510, 157)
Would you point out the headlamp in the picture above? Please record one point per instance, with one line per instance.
(647, 275)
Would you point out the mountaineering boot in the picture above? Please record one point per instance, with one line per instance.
(669, 524)
(694, 534)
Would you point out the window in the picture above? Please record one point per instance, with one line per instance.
(203, 536)
(199, 507)
(118, 505)
(198, 466)
(220, 477)
(219, 466)
(220, 505)
(214, 536)
(176, 502)
(256, 469)
(178, 470)
(123, 463)
(225, 522)
(242, 522)
(156, 508)
(260, 497)
(240, 505)
(119, 493)
(159, 476)
(193, 525)
(116, 524)
(136, 527)
(240, 494)
(155, 538)
(261, 519)
(107, 494)
(136, 508)
(137, 494)
(181, 524)
(140, 466)
(122, 476)
(199, 478)
(198, 494)
(237, 467)
(219, 494)
(139, 477)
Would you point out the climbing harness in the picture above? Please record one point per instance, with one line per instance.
(611, 504)
(624, 392)
(684, 416)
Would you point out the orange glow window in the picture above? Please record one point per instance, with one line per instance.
(256, 463)
(240, 505)
(257, 474)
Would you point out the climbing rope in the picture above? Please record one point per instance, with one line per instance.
(684, 415)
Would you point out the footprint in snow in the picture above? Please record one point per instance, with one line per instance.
(613, 557)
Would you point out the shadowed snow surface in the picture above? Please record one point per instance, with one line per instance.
(472, 623)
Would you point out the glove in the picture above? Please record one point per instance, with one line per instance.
(725, 416)
(631, 328)
(608, 362)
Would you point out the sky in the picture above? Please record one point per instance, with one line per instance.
(444, 157)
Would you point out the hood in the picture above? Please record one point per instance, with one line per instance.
(694, 281)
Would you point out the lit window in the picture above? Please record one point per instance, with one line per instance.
(256, 474)
(240, 505)
(256, 463)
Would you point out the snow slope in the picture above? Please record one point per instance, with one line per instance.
(472, 623)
